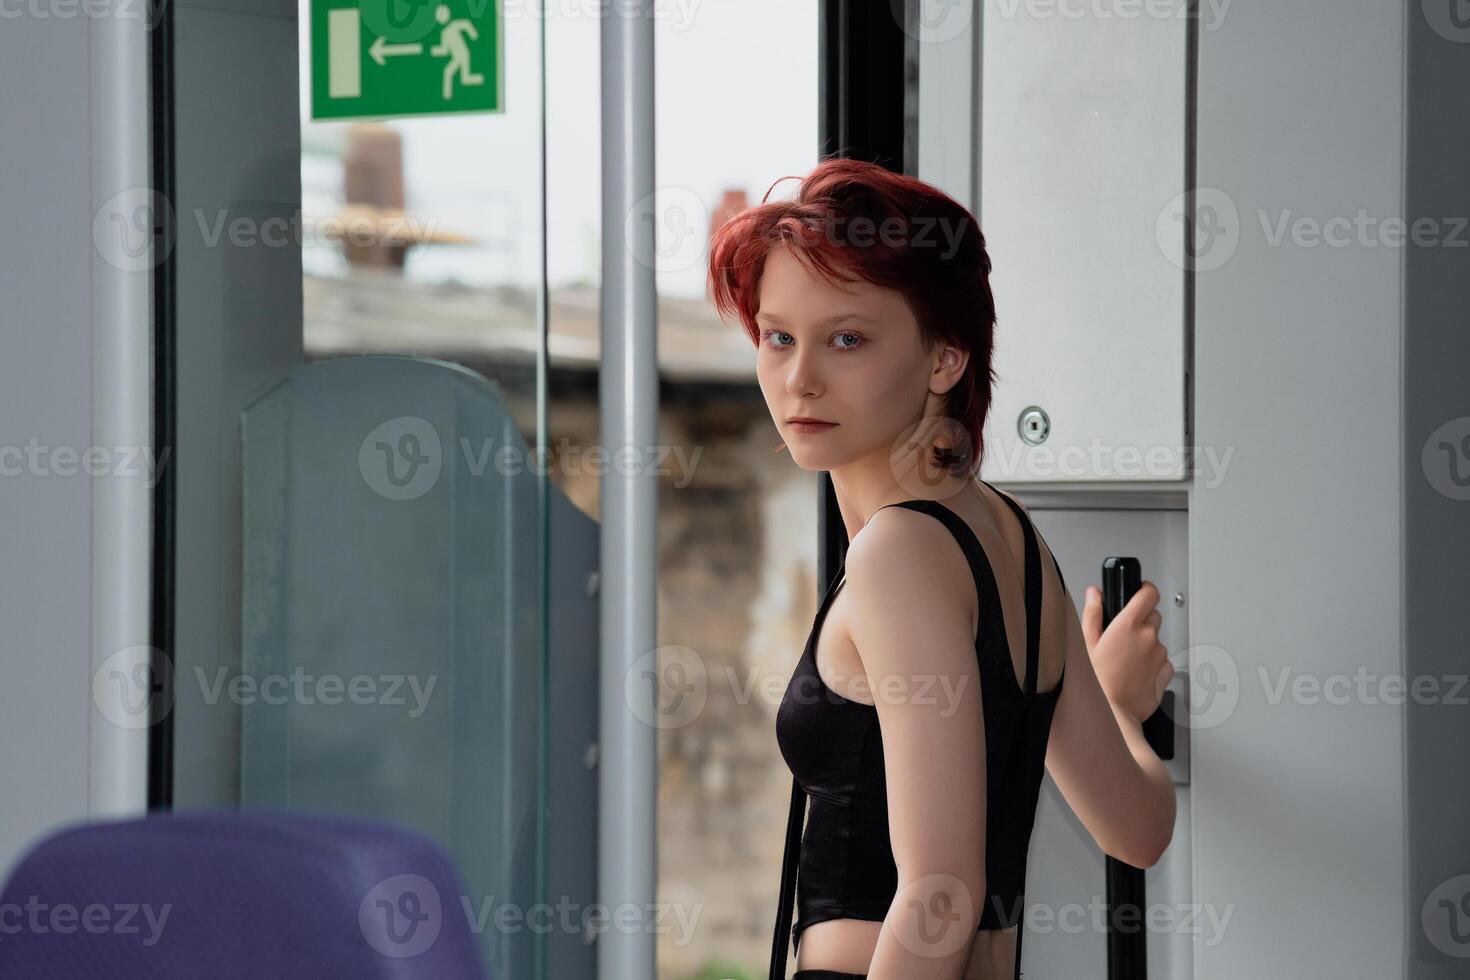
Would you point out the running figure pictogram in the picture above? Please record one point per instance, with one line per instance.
(452, 43)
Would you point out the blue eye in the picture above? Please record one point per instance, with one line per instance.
(770, 339)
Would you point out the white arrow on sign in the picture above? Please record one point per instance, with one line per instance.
(382, 50)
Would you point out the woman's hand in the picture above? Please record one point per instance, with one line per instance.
(1131, 664)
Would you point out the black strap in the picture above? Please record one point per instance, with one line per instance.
(1031, 531)
(1033, 595)
(1033, 658)
(797, 816)
(789, 857)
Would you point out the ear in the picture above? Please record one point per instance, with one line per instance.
(949, 368)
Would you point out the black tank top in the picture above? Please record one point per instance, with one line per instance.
(834, 749)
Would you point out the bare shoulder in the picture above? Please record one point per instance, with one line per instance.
(906, 550)
(912, 594)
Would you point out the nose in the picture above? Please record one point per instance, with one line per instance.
(802, 376)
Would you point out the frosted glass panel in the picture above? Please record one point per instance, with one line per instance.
(392, 626)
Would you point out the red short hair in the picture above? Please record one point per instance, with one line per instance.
(856, 221)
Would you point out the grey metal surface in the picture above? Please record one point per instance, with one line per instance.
(1298, 554)
(1065, 884)
(122, 334)
(628, 405)
(71, 591)
(1082, 147)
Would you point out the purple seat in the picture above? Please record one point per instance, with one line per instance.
(236, 895)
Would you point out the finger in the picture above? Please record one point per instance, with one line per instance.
(1166, 675)
(1092, 612)
(1154, 619)
(1139, 604)
(1147, 596)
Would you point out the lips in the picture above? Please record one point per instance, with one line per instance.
(803, 424)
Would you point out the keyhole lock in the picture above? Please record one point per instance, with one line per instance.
(1034, 425)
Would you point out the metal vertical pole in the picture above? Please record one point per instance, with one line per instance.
(628, 757)
(121, 400)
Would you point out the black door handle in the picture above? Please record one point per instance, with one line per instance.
(1127, 941)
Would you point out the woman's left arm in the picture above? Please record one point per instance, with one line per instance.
(911, 592)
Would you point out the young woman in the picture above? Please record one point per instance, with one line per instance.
(930, 692)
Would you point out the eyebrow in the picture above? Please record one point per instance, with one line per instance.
(825, 321)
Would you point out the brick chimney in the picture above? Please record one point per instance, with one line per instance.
(372, 174)
(732, 202)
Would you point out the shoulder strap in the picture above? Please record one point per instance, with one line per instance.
(1030, 529)
(1033, 595)
(1033, 648)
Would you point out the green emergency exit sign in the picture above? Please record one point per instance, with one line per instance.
(375, 59)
